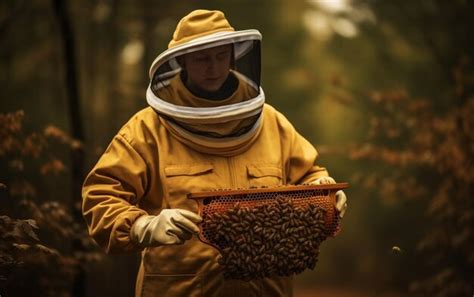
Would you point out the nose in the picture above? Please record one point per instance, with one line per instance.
(212, 66)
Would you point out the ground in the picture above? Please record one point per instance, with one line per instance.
(335, 292)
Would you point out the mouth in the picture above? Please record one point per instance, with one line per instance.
(212, 79)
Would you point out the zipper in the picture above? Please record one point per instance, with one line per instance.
(230, 165)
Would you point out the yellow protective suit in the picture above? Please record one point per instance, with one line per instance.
(145, 169)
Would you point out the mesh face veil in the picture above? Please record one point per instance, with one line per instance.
(207, 89)
(170, 96)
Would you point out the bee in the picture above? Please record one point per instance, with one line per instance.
(396, 250)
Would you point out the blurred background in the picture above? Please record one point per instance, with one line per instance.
(383, 89)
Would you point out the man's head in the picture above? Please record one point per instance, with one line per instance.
(207, 69)
(211, 59)
(214, 101)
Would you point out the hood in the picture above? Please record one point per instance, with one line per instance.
(235, 106)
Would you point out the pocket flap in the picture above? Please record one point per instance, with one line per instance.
(192, 169)
(263, 170)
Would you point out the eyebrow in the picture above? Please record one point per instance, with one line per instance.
(225, 51)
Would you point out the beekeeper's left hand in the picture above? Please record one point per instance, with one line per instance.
(341, 199)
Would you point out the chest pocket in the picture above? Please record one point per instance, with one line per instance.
(264, 175)
(183, 179)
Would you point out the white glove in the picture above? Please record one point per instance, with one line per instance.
(171, 226)
(341, 199)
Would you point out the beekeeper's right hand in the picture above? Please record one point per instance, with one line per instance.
(171, 226)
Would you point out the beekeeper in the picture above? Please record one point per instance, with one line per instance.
(207, 127)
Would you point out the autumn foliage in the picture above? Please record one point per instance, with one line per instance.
(43, 245)
(418, 151)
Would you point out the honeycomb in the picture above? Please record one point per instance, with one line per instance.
(239, 223)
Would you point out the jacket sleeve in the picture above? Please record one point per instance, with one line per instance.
(300, 162)
(111, 193)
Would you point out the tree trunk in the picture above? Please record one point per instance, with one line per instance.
(74, 110)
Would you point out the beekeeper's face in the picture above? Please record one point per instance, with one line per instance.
(208, 69)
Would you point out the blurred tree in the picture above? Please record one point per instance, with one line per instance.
(71, 82)
(36, 232)
(425, 141)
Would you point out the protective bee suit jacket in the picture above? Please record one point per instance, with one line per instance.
(149, 166)
(145, 169)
